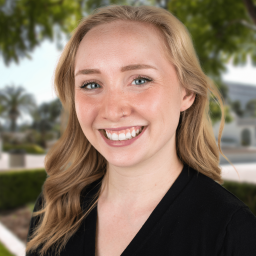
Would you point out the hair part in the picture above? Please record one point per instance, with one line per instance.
(73, 163)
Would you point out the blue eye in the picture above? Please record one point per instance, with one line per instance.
(142, 78)
(92, 83)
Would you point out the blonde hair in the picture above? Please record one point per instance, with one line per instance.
(73, 163)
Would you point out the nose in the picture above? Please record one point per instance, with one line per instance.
(115, 105)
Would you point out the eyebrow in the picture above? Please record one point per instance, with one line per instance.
(123, 69)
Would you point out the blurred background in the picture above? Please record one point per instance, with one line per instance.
(32, 36)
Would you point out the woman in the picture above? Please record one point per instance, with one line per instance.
(136, 171)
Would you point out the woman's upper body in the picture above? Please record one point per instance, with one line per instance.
(196, 217)
(126, 69)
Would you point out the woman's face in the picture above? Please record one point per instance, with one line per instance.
(111, 91)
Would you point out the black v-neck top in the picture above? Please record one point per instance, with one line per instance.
(196, 217)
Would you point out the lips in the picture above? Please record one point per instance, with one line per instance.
(123, 128)
(121, 143)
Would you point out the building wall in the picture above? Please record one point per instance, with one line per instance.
(251, 130)
(241, 92)
(230, 130)
(234, 131)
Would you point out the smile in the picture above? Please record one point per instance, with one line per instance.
(120, 140)
(124, 134)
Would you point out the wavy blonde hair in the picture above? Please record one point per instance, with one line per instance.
(73, 163)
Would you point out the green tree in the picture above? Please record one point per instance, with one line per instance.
(220, 29)
(250, 108)
(15, 101)
(26, 23)
(215, 112)
(1, 128)
(45, 118)
(1, 109)
(248, 111)
(237, 108)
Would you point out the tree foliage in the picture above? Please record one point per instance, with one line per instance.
(251, 108)
(219, 29)
(45, 118)
(248, 111)
(237, 108)
(26, 23)
(15, 101)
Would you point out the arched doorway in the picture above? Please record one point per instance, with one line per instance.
(246, 137)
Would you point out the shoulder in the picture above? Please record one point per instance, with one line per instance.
(212, 201)
(209, 189)
(241, 218)
(240, 236)
(224, 214)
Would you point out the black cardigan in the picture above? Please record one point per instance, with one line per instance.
(196, 217)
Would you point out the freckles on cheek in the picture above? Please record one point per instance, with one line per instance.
(79, 105)
(85, 109)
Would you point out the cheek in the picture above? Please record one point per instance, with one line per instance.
(84, 109)
(161, 103)
(163, 109)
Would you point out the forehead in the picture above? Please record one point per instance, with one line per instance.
(120, 42)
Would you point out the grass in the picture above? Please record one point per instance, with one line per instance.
(4, 251)
(31, 207)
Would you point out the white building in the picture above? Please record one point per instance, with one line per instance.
(240, 132)
(241, 92)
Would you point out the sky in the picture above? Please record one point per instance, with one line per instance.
(36, 75)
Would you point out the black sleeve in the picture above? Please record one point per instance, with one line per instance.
(34, 220)
(240, 237)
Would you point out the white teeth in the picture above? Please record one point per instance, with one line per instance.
(122, 136)
(109, 135)
(128, 135)
(114, 136)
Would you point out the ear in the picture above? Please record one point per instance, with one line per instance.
(187, 99)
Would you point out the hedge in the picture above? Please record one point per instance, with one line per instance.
(246, 192)
(30, 148)
(18, 188)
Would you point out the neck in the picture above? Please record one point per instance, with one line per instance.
(129, 188)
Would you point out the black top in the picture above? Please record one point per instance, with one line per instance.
(196, 217)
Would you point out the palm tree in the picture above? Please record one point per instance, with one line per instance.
(45, 117)
(1, 111)
(15, 101)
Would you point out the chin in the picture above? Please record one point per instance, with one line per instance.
(123, 161)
